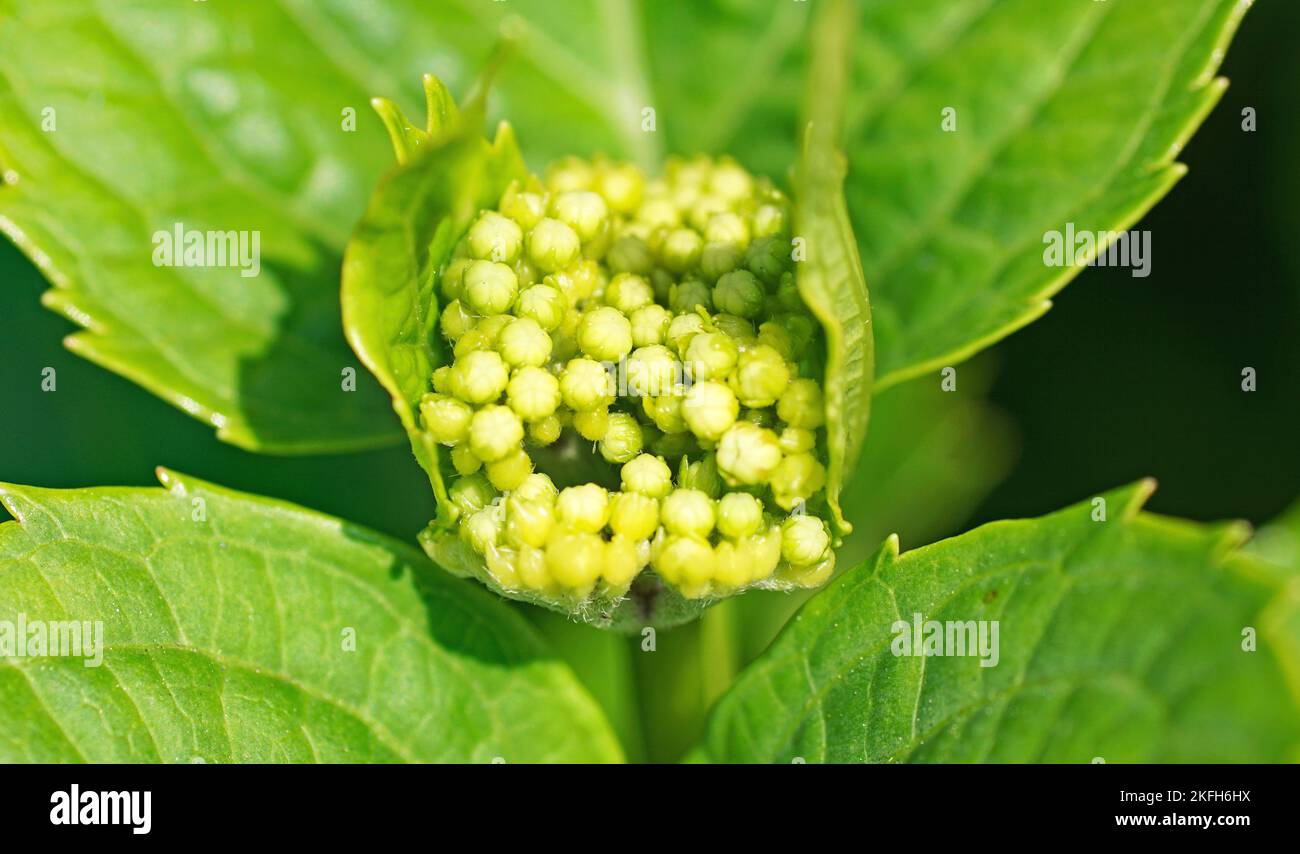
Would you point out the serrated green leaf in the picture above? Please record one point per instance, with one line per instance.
(223, 117)
(1122, 639)
(226, 620)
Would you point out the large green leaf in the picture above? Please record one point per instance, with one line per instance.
(219, 117)
(1124, 639)
(1067, 112)
(226, 626)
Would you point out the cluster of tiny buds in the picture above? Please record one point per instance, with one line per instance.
(660, 321)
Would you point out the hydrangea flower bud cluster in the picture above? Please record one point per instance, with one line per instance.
(658, 323)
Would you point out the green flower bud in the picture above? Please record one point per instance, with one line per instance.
(494, 237)
(718, 259)
(630, 254)
(739, 515)
(627, 292)
(524, 342)
(761, 417)
(621, 185)
(482, 529)
(727, 227)
(583, 211)
(797, 440)
(445, 418)
(495, 431)
(452, 279)
(605, 333)
(738, 329)
(633, 515)
(775, 336)
(682, 329)
(479, 377)
(528, 523)
(768, 258)
(701, 475)
(471, 493)
(740, 293)
(574, 560)
(649, 325)
(687, 563)
(648, 475)
(489, 287)
(801, 405)
(464, 460)
(659, 213)
(731, 568)
(787, 294)
(676, 444)
(552, 245)
(769, 221)
(585, 385)
(761, 376)
(545, 431)
(710, 409)
(688, 512)
(687, 295)
(455, 320)
(533, 393)
(442, 380)
(583, 508)
(681, 250)
(748, 454)
(525, 208)
(653, 371)
(804, 540)
(799, 329)
(592, 424)
(530, 568)
(666, 412)
(500, 563)
(622, 440)
(543, 304)
(473, 340)
(762, 552)
(509, 471)
(536, 487)
(730, 181)
(797, 478)
(702, 211)
(622, 562)
(569, 173)
(711, 355)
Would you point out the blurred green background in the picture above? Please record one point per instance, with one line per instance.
(1125, 377)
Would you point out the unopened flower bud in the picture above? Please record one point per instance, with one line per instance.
(711, 355)
(687, 563)
(574, 559)
(731, 181)
(471, 493)
(797, 478)
(621, 185)
(552, 245)
(688, 512)
(621, 563)
(769, 221)
(479, 377)
(682, 329)
(748, 454)
(483, 529)
(544, 431)
(509, 471)
(605, 334)
(650, 325)
(701, 475)
(569, 173)
(627, 292)
(739, 514)
(583, 211)
(489, 287)
(445, 418)
(653, 371)
(767, 258)
(533, 393)
(666, 412)
(494, 237)
(592, 424)
(718, 259)
(543, 304)
(583, 508)
(622, 440)
(804, 540)
(688, 295)
(797, 440)
(452, 278)
(455, 321)
(536, 487)
(528, 522)
(648, 475)
(495, 431)
(464, 460)
(727, 227)
(525, 208)
(633, 515)
(630, 254)
(761, 376)
(710, 408)
(442, 380)
(740, 293)
(801, 405)
(681, 250)
(584, 385)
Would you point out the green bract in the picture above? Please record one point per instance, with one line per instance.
(604, 329)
